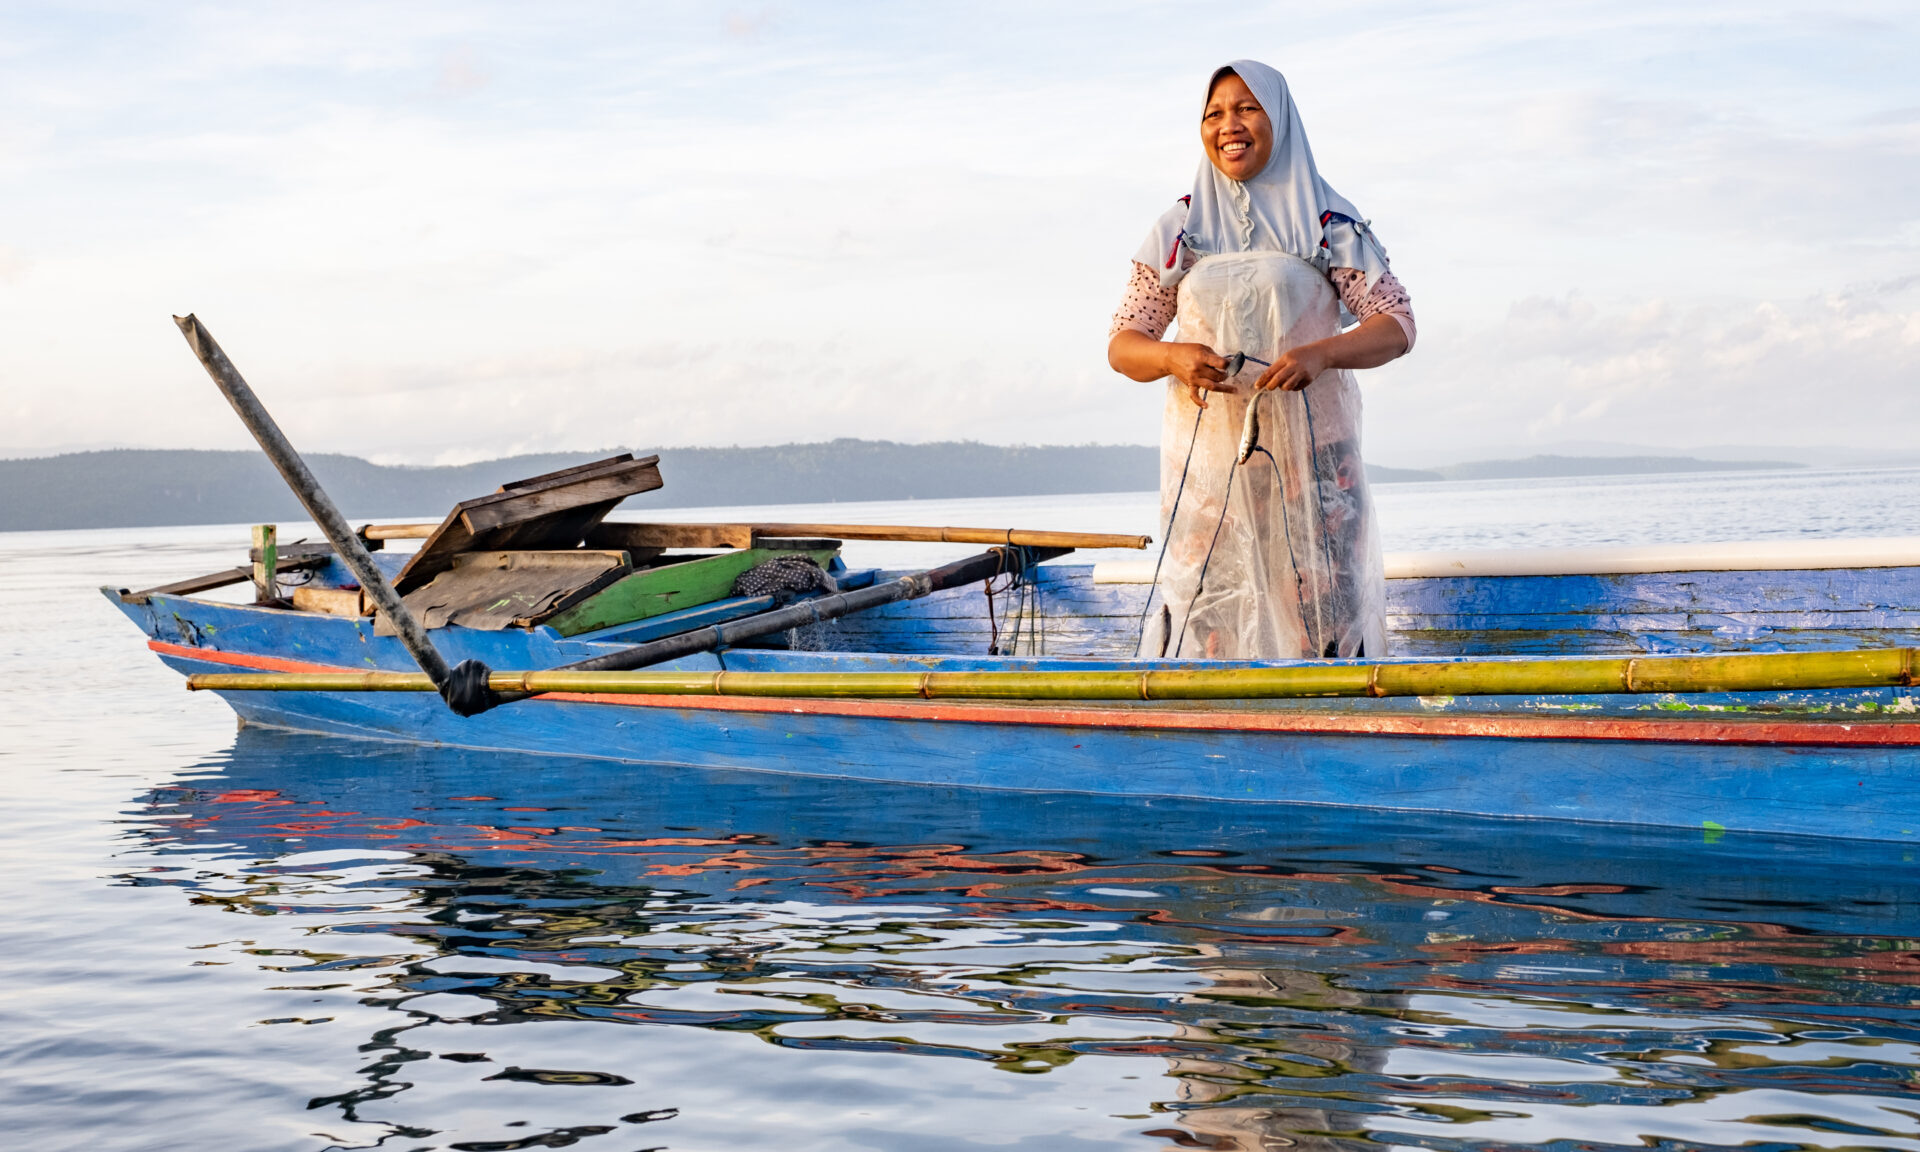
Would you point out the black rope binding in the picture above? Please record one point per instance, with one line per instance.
(466, 690)
(1017, 563)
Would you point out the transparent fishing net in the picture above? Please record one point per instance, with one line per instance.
(1276, 557)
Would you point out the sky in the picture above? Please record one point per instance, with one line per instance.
(434, 233)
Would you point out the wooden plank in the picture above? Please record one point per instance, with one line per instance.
(519, 505)
(546, 478)
(699, 535)
(456, 534)
(667, 588)
(593, 559)
(298, 550)
(542, 513)
(660, 537)
(642, 539)
(331, 601)
(491, 590)
(266, 562)
(398, 531)
(221, 579)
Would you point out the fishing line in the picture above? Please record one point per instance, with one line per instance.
(1200, 585)
(1286, 531)
(1326, 553)
(1032, 601)
(1026, 587)
(1167, 536)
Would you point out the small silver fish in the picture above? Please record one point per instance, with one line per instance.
(1250, 429)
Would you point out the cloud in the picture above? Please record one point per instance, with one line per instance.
(461, 73)
(1835, 369)
(458, 229)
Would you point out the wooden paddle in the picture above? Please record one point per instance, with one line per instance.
(318, 504)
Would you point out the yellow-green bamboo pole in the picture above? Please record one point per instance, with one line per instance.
(1733, 672)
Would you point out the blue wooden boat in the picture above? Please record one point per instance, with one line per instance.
(1840, 762)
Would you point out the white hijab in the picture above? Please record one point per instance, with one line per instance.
(1286, 208)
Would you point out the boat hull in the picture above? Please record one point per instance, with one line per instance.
(1834, 763)
(1852, 777)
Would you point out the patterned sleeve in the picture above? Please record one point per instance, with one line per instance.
(1389, 297)
(1146, 306)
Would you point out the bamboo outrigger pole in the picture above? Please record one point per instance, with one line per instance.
(706, 535)
(1732, 672)
(315, 500)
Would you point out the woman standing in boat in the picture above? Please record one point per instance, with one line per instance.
(1271, 551)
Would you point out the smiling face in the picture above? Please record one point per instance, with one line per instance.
(1235, 130)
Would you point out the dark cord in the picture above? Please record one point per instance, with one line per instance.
(1167, 537)
(1286, 530)
(1200, 585)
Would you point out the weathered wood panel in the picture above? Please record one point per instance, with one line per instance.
(495, 590)
(543, 512)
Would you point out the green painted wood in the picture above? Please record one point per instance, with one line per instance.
(667, 588)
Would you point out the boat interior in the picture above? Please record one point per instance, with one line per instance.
(539, 560)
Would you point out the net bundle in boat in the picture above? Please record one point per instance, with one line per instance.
(784, 577)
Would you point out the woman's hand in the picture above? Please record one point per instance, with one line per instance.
(1199, 368)
(1375, 341)
(1143, 358)
(1296, 368)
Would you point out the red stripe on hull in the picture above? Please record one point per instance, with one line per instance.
(244, 659)
(1666, 730)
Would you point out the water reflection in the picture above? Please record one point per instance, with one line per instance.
(540, 953)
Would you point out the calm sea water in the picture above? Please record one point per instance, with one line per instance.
(271, 941)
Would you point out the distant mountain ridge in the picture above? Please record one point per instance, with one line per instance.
(126, 488)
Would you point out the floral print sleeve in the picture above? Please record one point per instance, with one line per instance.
(1146, 306)
(1389, 297)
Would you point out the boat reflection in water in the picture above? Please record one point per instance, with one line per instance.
(541, 953)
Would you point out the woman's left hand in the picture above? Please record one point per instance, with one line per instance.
(1375, 341)
(1296, 368)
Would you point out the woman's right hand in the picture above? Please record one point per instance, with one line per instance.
(1138, 356)
(1196, 366)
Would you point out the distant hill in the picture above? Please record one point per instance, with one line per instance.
(126, 488)
(1548, 466)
